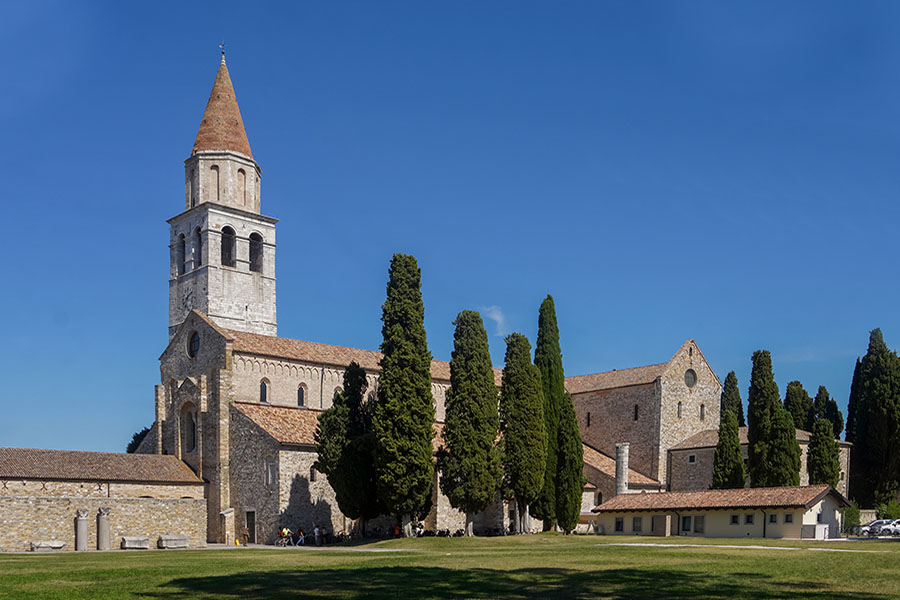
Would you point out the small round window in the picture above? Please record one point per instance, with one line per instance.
(194, 345)
(690, 378)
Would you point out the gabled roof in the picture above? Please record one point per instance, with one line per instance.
(775, 497)
(709, 438)
(70, 465)
(222, 127)
(615, 379)
(286, 424)
(338, 356)
(607, 465)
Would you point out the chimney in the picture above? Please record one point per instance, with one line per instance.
(622, 468)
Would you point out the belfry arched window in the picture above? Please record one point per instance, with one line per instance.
(180, 254)
(198, 248)
(256, 252)
(264, 391)
(679, 410)
(702, 412)
(635, 412)
(228, 246)
(301, 396)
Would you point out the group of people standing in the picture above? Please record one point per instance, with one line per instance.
(320, 536)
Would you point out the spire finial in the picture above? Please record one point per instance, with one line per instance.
(222, 48)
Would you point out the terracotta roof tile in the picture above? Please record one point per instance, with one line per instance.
(614, 379)
(31, 463)
(776, 497)
(607, 465)
(710, 437)
(288, 425)
(222, 127)
(338, 356)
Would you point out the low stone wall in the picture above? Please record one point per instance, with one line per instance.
(40, 518)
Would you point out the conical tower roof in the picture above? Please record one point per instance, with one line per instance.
(222, 127)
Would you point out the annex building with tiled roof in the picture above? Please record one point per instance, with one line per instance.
(812, 511)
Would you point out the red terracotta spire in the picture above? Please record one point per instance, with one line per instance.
(222, 127)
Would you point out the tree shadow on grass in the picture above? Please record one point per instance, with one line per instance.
(395, 583)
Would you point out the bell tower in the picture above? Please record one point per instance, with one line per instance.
(221, 248)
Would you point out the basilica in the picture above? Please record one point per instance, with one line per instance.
(231, 447)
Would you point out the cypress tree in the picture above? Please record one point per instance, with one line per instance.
(880, 373)
(570, 478)
(548, 359)
(875, 383)
(345, 445)
(850, 434)
(731, 398)
(524, 442)
(822, 458)
(763, 405)
(784, 452)
(799, 405)
(826, 408)
(469, 461)
(404, 414)
(728, 464)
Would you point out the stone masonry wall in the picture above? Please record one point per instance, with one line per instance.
(706, 392)
(612, 421)
(251, 451)
(25, 519)
(320, 382)
(687, 476)
(98, 489)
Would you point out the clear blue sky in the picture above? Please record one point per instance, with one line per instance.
(722, 172)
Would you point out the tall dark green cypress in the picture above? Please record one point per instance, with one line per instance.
(345, 446)
(548, 359)
(823, 456)
(852, 408)
(876, 383)
(799, 405)
(404, 413)
(826, 407)
(570, 478)
(469, 461)
(524, 441)
(728, 464)
(763, 405)
(783, 467)
(881, 395)
(731, 398)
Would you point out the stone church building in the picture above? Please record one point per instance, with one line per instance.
(237, 406)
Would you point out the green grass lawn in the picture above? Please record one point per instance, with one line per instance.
(536, 566)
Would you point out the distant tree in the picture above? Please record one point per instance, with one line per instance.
(570, 478)
(728, 464)
(469, 461)
(731, 399)
(873, 460)
(763, 405)
(850, 518)
(850, 433)
(404, 413)
(783, 467)
(799, 405)
(826, 407)
(823, 455)
(548, 359)
(889, 509)
(524, 442)
(136, 440)
(881, 396)
(345, 444)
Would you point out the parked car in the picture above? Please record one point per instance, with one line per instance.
(892, 528)
(874, 528)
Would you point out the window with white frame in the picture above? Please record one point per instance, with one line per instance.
(748, 519)
(735, 519)
(271, 474)
(788, 518)
(699, 524)
(773, 518)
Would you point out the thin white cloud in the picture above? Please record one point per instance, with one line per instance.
(495, 314)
